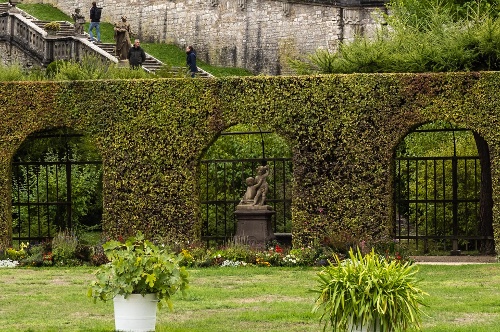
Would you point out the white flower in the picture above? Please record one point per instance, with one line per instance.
(8, 263)
(228, 263)
(290, 259)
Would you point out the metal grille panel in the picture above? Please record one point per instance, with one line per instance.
(44, 185)
(437, 202)
(223, 185)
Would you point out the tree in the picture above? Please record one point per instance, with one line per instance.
(419, 36)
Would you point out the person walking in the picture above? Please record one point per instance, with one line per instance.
(191, 61)
(95, 22)
(136, 55)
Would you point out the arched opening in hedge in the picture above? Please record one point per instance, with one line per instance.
(231, 159)
(56, 186)
(442, 192)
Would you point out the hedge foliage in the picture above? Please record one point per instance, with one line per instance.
(343, 130)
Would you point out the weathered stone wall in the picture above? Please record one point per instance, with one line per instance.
(254, 34)
(10, 54)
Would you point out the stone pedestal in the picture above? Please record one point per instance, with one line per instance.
(254, 225)
(123, 63)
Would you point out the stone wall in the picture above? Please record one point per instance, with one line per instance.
(253, 34)
(11, 54)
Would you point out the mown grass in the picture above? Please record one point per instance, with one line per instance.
(167, 53)
(462, 298)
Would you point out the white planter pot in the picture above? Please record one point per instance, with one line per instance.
(370, 327)
(136, 313)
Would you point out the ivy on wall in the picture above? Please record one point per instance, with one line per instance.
(343, 130)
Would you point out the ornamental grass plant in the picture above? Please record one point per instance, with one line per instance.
(369, 291)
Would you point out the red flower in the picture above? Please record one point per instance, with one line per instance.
(278, 249)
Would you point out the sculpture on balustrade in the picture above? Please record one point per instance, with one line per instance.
(79, 21)
(13, 8)
(122, 38)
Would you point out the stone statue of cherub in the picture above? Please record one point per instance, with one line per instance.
(257, 187)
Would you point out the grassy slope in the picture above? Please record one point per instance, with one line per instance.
(257, 299)
(169, 54)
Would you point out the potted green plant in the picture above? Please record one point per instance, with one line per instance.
(52, 27)
(140, 277)
(369, 293)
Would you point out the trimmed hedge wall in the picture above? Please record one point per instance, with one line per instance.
(343, 130)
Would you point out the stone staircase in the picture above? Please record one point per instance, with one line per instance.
(150, 65)
(4, 7)
(66, 27)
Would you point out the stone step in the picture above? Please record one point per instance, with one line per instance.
(150, 64)
(67, 28)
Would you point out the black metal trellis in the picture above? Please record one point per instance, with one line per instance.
(437, 201)
(223, 184)
(42, 192)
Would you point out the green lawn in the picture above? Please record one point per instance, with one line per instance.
(167, 53)
(462, 298)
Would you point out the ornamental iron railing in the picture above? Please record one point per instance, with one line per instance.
(48, 187)
(437, 203)
(223, 184)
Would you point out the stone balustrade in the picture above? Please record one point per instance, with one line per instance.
(22, 41)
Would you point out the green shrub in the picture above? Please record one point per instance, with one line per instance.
(38, 255)
(54, 67)
(202, 257)
(89, 68)
(64, 246)
(17, 254)
(270, 257)
(12, 73)
(137, 266)
(116, 72)
(237, 252)
(167, 71)
(306, 255)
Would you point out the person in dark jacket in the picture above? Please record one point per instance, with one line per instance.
(191, 61)
(136, 55)
(95, 22)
